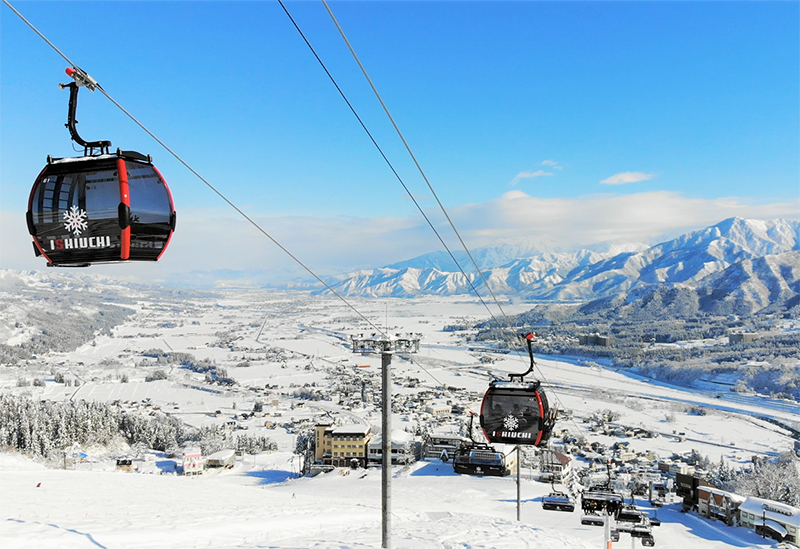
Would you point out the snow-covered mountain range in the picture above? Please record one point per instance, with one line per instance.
(753, 261)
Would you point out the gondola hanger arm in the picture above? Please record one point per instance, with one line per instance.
(529, 337)
(81, 79)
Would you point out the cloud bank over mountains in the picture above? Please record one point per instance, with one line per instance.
(208, 241)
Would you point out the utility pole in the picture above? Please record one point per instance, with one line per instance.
(387, 347)
(386, 449)
(519, 466)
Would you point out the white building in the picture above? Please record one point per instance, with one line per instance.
(776, 520)
(718, 504)
(405, 448)
(438, 409)
(222, 459)
(193, 462)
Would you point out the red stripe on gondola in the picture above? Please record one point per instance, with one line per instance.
(172, 212)
(124, 196)
(483, 403)
(41, 250)
(541, 415)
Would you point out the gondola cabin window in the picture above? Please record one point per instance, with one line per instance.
(151, 202)
(102, 195)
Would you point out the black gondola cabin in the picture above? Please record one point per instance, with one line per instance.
(516, 413)
(100, 209)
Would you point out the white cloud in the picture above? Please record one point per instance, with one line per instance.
(641, 217)
(627, 177)
(553, 164)
(528, 175)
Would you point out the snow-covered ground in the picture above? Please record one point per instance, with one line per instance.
(289, 340)
(261, 506)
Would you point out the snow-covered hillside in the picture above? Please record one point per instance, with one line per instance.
(586, 274)
(257, 506)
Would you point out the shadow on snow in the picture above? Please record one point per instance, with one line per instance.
(272, 476)
(435, 469)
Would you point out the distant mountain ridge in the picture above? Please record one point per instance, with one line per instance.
(753, 261)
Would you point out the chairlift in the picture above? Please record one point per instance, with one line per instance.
(516, 411)
(590, 519)
(595, 501)
(643, 532)
(478, 458)
(102, 207)
(654, 521)
(558, 501)
(630, 513)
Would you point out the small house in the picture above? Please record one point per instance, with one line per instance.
(554, 464)
(444, 444)
(405, 449)
(438, 409)
(125, 464)
(741, 337)
(193, 463)
(224, 459)
(718, 504)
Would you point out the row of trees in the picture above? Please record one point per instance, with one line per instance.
(634, 335)
(776, 479)
(215, 438)
(45, 429)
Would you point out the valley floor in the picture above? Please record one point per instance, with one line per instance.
(288, 341)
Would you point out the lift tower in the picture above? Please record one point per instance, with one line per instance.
(386, 346)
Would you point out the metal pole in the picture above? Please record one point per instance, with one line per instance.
(607, 531)
(386, 448)
(519, 466)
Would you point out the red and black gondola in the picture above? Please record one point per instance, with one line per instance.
(99, 208)
(517, 412)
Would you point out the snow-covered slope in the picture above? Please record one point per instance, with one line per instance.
(752, 284)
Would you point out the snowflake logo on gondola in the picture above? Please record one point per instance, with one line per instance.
(75, 220)
(510, 423)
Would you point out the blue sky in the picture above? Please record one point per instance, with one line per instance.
(561, 122)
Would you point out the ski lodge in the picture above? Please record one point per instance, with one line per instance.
(776, 520)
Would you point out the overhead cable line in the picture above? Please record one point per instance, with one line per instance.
(397, 176)
(394, 171)
(414, 158)
(385, 158)
(424, 177)
(193, 171)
